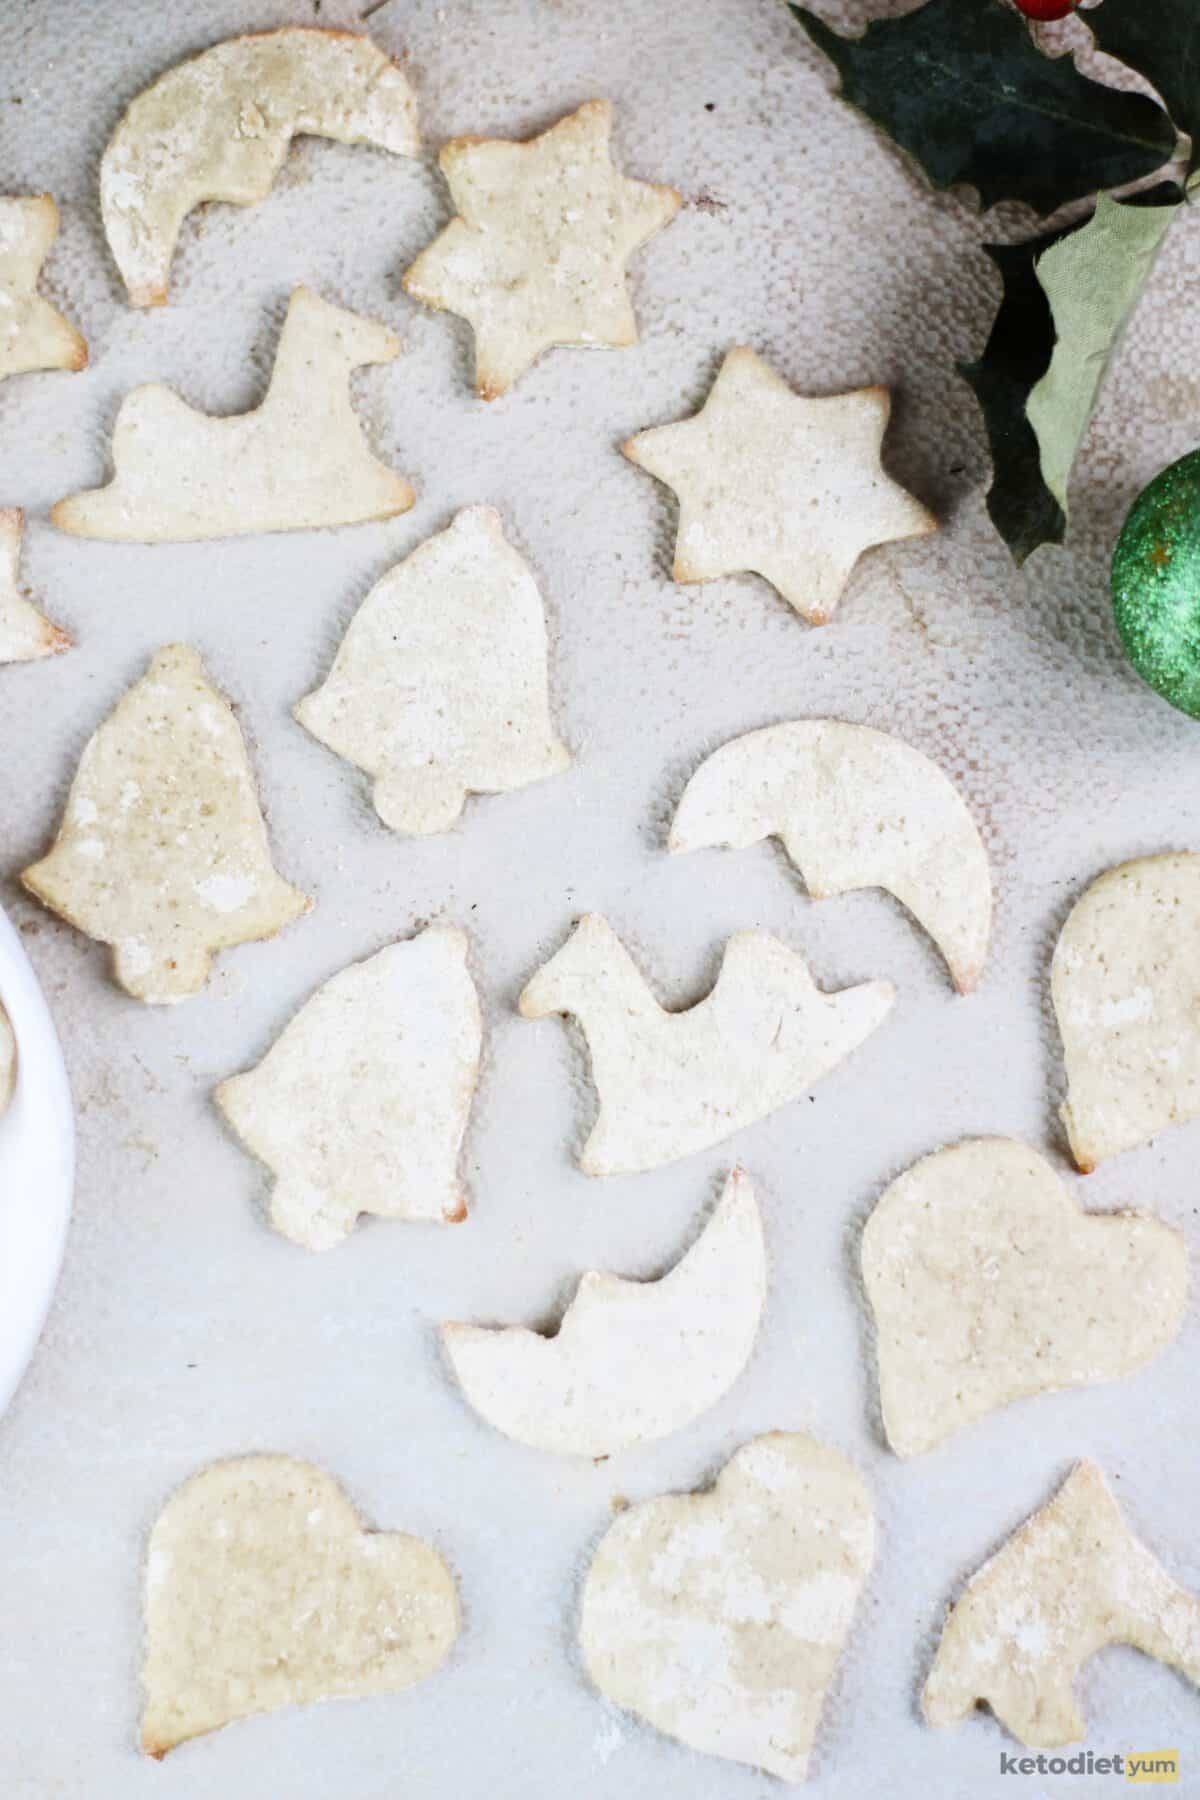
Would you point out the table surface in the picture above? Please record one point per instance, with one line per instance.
(184, 1329)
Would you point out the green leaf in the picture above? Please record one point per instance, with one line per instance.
(1067, 298)
(1093, 279)
(962, 86)
(1017, 355)
(1161, 40)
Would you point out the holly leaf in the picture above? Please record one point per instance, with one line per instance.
(1093, 279)
(1017, 355)
(1067, 299)
(1161, 40)
(961, 85)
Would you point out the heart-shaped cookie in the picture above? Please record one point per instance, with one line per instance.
(263, 1590)
(719, 1617)
(989, 1284)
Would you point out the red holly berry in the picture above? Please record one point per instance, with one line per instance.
(1047, 9)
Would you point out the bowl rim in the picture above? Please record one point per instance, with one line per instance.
(37, 1165)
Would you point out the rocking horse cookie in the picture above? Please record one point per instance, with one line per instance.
(674, 1083)
(299, 459)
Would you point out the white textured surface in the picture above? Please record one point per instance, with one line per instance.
(184, 1329)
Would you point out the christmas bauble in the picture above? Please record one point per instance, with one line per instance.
(1047, 9)
(1156, 584)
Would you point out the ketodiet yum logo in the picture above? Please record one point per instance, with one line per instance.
(1128, 1765)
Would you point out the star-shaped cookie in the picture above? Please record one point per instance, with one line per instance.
(33, 334)
(537, 254)
(788, 487)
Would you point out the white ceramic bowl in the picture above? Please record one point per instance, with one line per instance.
(37, 1166)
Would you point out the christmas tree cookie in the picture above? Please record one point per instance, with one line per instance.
(360, 1105)
(162, 852)
(440, 688)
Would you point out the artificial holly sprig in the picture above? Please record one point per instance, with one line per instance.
(962, 87)
(1067, 299)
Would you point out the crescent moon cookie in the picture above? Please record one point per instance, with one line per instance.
(787, 487)
(632, 1360)
(162, 851)
(1125, 982)
(297, 461)
(218, 127)
(265, 1589)
(24, 633)
(720, 1617)
(855, 808)
(673, 1083)
(33, 334)
(537, 254)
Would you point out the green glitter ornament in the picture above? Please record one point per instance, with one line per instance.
(1156, 584)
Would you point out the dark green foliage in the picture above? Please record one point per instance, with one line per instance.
(1161, 39)
(962, 86)
(1018, 353)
